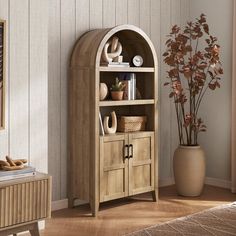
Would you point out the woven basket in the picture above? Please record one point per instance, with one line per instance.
(131, 123)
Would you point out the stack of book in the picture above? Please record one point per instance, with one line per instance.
(27, 171)
(129, 79)
(115, 64)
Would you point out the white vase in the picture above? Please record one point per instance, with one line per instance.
(103, 91)
(189, 170)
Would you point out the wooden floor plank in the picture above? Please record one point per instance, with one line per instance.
(128, 215)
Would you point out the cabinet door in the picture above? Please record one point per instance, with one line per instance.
(141, 163)
(113, 167)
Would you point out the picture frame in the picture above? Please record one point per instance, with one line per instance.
(2, 72)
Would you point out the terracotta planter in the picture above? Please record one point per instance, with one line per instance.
(189, 170)
(117, 95)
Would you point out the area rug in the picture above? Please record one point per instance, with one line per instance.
(218, 221)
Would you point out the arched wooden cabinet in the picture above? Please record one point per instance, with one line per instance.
(98, 169)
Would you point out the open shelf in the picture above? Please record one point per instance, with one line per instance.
(126, 102)
(122, 133)
(126, 69)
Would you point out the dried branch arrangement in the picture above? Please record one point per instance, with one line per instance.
(191, 74)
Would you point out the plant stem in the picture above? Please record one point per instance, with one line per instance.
(200, 100)
(186, 130)
(178, 121)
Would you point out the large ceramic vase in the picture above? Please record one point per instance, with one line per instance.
(189, 170)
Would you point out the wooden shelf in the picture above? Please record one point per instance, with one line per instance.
(126, 69)
(123, 133)
(126, 102)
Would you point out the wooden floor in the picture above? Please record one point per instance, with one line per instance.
(128, 215)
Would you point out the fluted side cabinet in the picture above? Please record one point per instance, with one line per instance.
(102, 168)
(23, 202)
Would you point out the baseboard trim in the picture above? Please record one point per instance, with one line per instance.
(218, 182)
(63, 203)
(59, 204)
(166, 182)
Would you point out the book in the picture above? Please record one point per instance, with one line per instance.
(17, 176)
(25, 170)
(129, 79)
(127, 89)
(101, 124)
(133, 85)
(116, 64)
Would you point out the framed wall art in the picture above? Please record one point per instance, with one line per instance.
(2, 73)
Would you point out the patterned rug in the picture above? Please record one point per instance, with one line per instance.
(218, 221)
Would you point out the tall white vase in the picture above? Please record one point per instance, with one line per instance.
(189, 170)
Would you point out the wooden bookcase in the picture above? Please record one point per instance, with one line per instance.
(98, 169)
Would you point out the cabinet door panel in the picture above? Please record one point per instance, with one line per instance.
(113, 167)
(141, 165)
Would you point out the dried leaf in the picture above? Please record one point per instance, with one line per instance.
(171, 94)
(212, 86)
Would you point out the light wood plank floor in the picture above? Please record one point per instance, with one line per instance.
(128, 215)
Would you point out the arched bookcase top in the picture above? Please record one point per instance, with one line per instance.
(88, 49)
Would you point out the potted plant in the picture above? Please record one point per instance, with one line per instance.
(192, 72)
(117, 90)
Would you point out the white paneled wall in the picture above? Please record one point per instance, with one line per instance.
(216, 141)
(68, 20)
(26, 80)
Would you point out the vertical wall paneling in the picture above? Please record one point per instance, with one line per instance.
(82, 17)
(4, 137)
(121, 12)
(109, 13)
(216, 107)
(134, 12)
(95, 14)
(185, 11)
(175, 20)
(26, 133)
(38, 84)
(68, 20)
(155, 28)
(19, 78)
(54, 99)
(68, 37)
(145, 16)
(165, 112)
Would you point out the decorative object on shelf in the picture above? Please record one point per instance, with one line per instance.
(11, 164)
(113, 128)
(2, 74)
(131, 123)
(117, 90)
(103, 91)
(202, 71)
(113, 58)
(137, 61)
(115, 52)
(129, 80)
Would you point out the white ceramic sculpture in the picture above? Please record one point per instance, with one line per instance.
(113, 128)
(103, 91)
(115, 51)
